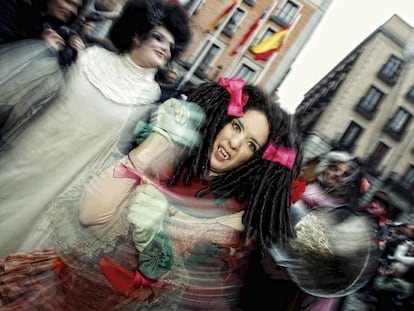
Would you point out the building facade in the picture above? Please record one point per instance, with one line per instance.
(365, 105)
(223, 47)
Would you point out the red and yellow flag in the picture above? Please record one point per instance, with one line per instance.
(223, 16)
(249, 33)
(266, 48)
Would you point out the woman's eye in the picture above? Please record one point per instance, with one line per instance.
(333, 167)
(236, 126)
(252, 146)
(156, 36)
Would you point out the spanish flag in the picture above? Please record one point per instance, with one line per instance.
(223, 16)
(270, 45)
(249, 33)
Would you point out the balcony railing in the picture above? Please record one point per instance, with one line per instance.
(400, 187)
(390, 80)
(398, 136)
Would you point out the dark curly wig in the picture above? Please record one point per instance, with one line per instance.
(140, 16)
(263, 185)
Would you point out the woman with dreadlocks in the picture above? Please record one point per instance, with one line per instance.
(223, 186)
(234, 183)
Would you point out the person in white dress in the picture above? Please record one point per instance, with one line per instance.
(72, 134)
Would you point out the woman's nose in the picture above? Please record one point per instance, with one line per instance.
(166, 47)
(235, 142)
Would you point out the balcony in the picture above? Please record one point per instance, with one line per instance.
(389, 80)
(280, 21)
(410, 96)
(250, 2)
(368, 114)
(373, 170)
(397, 136)
(400, 187)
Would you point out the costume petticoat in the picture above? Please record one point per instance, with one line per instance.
(204, 275)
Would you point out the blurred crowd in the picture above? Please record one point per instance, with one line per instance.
(120, 190)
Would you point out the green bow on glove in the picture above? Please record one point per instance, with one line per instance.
(157, 258)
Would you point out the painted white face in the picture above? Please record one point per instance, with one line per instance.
(237, 142)
(155, 51)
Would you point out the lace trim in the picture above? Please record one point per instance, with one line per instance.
(119, 78)
(59, 227)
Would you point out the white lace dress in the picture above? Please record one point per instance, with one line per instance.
(75, 134)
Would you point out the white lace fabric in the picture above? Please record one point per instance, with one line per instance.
(120, 77)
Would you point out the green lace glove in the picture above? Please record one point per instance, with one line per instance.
(147, 212)
(179, 121)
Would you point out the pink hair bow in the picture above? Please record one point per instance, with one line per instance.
(279, 154)
(238, 98)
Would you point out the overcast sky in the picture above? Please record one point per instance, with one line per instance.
(345, 24)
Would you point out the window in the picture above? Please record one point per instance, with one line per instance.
(399, 121)
(377, 157)
(408, 178)
(410, 95)
(286, 14)
(391, 70)
(397, 125)
(233, 22)
(208, 58)
(350, 136)
(250, 2)
(246, 72)
(192, 5)
(369, 103)
(267, 34)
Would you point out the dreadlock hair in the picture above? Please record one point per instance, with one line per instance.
(263, 185)
(140, 16)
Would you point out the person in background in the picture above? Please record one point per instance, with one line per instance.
(50, 20)
(394, 272)
(169, 87)
(38, 41)
(330, 181)
(379, 208)
(86, 119)
(338, 183)
(98, 19)
(307, 175)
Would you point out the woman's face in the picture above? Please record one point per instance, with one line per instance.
(376, 208)
(336, 172)
(237, 142)
(155, 51)
(63, 10)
